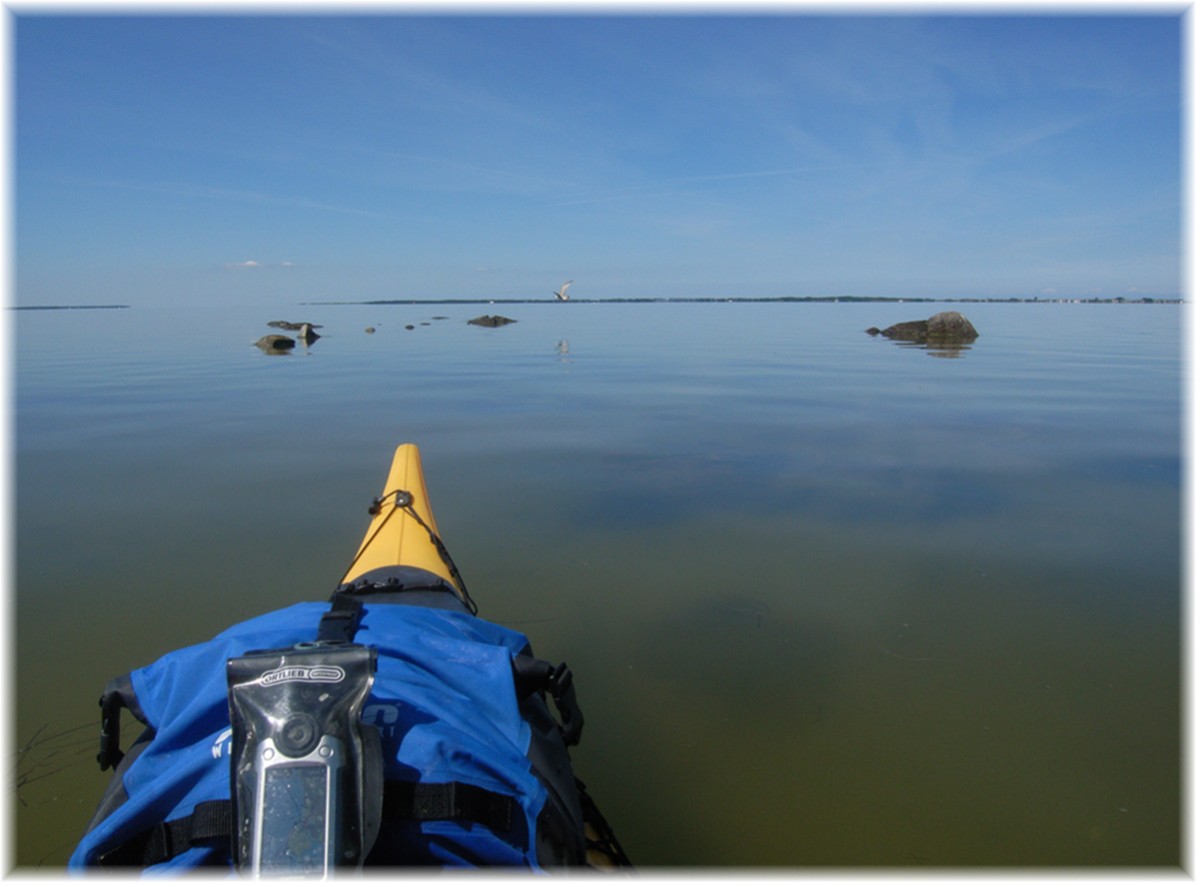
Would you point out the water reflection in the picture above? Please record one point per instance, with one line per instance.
(935, 348)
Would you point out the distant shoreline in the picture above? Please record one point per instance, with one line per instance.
(682, 300)
(1119, 300)
(65, 307)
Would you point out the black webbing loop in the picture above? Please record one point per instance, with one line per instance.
(118, 694)
(534, 675)
(110, 753)
(562, 690)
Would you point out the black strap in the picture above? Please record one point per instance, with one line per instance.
(211, 821)
(448, 800)
(340, 622)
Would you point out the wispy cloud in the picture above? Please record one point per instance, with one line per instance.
(427, 172)
(675, 186)
(252, 263)
(417, 79)
(1019, 139)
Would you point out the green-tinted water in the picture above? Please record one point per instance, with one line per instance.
(829, 601)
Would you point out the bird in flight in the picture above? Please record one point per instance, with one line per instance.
(561, 292)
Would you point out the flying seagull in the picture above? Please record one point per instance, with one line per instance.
(561, 292)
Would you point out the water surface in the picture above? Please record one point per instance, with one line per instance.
(829, 600)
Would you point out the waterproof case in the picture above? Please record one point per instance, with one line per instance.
(306, 772)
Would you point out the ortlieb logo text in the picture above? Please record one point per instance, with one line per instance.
(321, 674)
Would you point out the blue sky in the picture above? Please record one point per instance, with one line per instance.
(164, 158)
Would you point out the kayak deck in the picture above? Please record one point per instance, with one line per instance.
(403, 532)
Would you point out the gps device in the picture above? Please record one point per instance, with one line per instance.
(306, 773)
(297, 819)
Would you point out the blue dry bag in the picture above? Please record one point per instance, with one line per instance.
(475, 770)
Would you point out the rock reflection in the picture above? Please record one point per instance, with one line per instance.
(937, 349)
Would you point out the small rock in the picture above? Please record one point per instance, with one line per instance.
(307, 336)
(409, 326)
(370, 329)
(294, 327)
(276, 344)
(491, 320)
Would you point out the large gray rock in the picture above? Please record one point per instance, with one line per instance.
(945, 326)
(951, 325)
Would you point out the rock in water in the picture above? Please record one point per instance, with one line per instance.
(951, 325)
(945, 326)
(289, 325)
(910, 329)
(491, 320)
(276, 344)
(307, 335)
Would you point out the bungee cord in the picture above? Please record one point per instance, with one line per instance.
(404, 502)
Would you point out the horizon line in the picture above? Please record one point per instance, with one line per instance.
(1137, 300)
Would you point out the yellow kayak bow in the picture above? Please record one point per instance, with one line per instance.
(403, 532)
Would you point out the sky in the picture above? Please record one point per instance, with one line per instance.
(401, 153)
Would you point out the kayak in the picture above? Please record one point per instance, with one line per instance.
(415, 732)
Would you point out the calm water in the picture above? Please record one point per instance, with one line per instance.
(830, 601)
